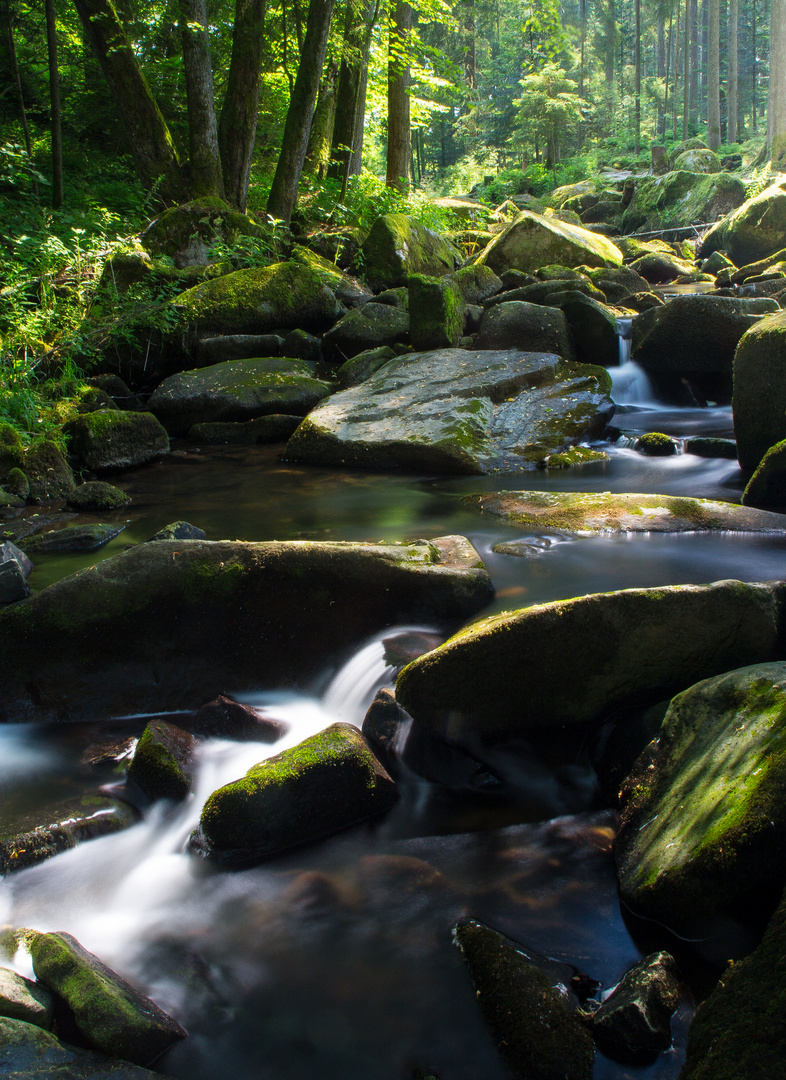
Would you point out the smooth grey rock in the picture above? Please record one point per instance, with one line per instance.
(368, 327)
(21, 999)
(529, 327)
(13, 584)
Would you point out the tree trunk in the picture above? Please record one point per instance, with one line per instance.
(733, 98)
(398, 98)
(322, 126)
(149, 139)
(693, 115)
(470, 61)
(754, 72)
(283, 192)
(676, 74)
(9, 28)
(662, 70)
(356, 161)
(776, 106)
(686, 74)
(582, 51)
(713, 76)
(237, 126)
(637, 75)
(54, 99)
(356, 32)
(204, 164)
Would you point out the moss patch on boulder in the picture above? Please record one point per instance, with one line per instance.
(759, 397)
(115, 439)
(397, 246)
(163, 762)
(531, 241)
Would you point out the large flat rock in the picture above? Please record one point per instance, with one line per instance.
(590, 513)
(458, 411)
(174, 623)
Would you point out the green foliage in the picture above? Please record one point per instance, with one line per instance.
(366, 199)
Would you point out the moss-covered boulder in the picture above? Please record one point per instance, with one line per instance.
(681, 198)
(178, 530)
(12, 450)
(756, 229)
(30, 1053)
(363, 366)
(569, 662)
(634, 1021)
(703, 820)
(759, 398)
(223, 347)
(656, 444)
(97, 495)
(109, 1013)
(541, 292)
(590, 513)
(163, 762)
(369, 327)
(767, 487)
(115, 439)
(458, 411)
(533, 1028)
(694, 337)
(72, 538)
(170, 624)
(346, 289)
(324, 784)
(476, 283)
(238, 390)
(518, 325)
(532, 240)
(659, 267)
(58, 825)
(49, 475)
(225, 718)
(698, 160)
(739, 1030)
(258, 300)
(398, 246)
(593, 328)
(436, 312)
(618, 282)
(188, 232)
(758, 270)
(22, 999)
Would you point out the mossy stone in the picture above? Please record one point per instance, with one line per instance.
(28, 1052)
(97, 495)
(532, 240)
(436, 312)
(698, 160)
(179, 530)
(48, 473)
(767, 487)
(681, 198)
(369, 327)
(206, 221)
(633, 1022)
(12, 451)
(755, 230)
(398, 245)
(703, 822)
(515, 324)
(347, 290)
(71, 538)
(22, 999)
(325, 783)
(363, 366)
(476, 283)
(163, 762)
(656, 444)
(116, 439)
(759, 397)
(16, 483)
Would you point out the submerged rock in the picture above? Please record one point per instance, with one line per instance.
(21, 999)
(703, 822)
(115, 439)
(532, 1025)
(324, 784)
(590, 513)
(30, 1053)
(109, 1013)
(239, 390)
(531, 241)
(570, 662)
(72, 538)
(633, 1022)
(458, 411)
(163, 762)
(168, 625)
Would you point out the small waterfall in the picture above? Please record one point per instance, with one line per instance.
(630, 385)
(624, 337)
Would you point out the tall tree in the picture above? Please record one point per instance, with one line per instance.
(11, 46)
(713, 77)
(686, 75)
(398, 154)
(637, 74)
(54, 101)
(776, 103)
(693, 111)
(356, 41)
(283, 191)
(733, 95)
(204, 163)
(237, 125)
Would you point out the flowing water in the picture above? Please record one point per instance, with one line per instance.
(336, 961)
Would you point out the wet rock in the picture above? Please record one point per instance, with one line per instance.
(570, 662)
(458, 411)
(681, 198)
(366, 328)
(51, 829)
(264, 429)
(238, 390)
(363, 366)
(398, 245)
(72, 538)
(436, 312)
(756, 229)
(258, 300)
(179, 530)
(595, 512)
(767, 486)
(759, 398)
(163, 762)
(517, 325)
(219, 350)
(97, 495)
(656, 444)
(711, 447)
(17, 484)
(397, 298)
(593, 328)
(622, 278)
(384, 727)
(13, 583)
(634, 1020)
(109, 1013)
(531, 241)
(114, 439)
(21, 999)
(225, 718)
(739, 1029)
(703, 824)
(28, 1052)
(9, 552)
(532, 1026)
(48, 473)
(332, 778)
(157, 627)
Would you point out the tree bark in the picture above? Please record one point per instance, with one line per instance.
(149, 139)
(637, 75)
(754, 72)
(776, 106)
(662, 71)
(283, 192)
(398, 98)
(56, 125)
(713, 77)
(676, 73)
(353, 64)
(204, 164)
(322, 126)
(686, 75)
(237, 126)
(733, 106)
(9, 27)
(693, 115)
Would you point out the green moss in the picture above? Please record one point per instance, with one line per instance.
(656, 444)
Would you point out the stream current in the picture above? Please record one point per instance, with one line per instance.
(336, 961)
